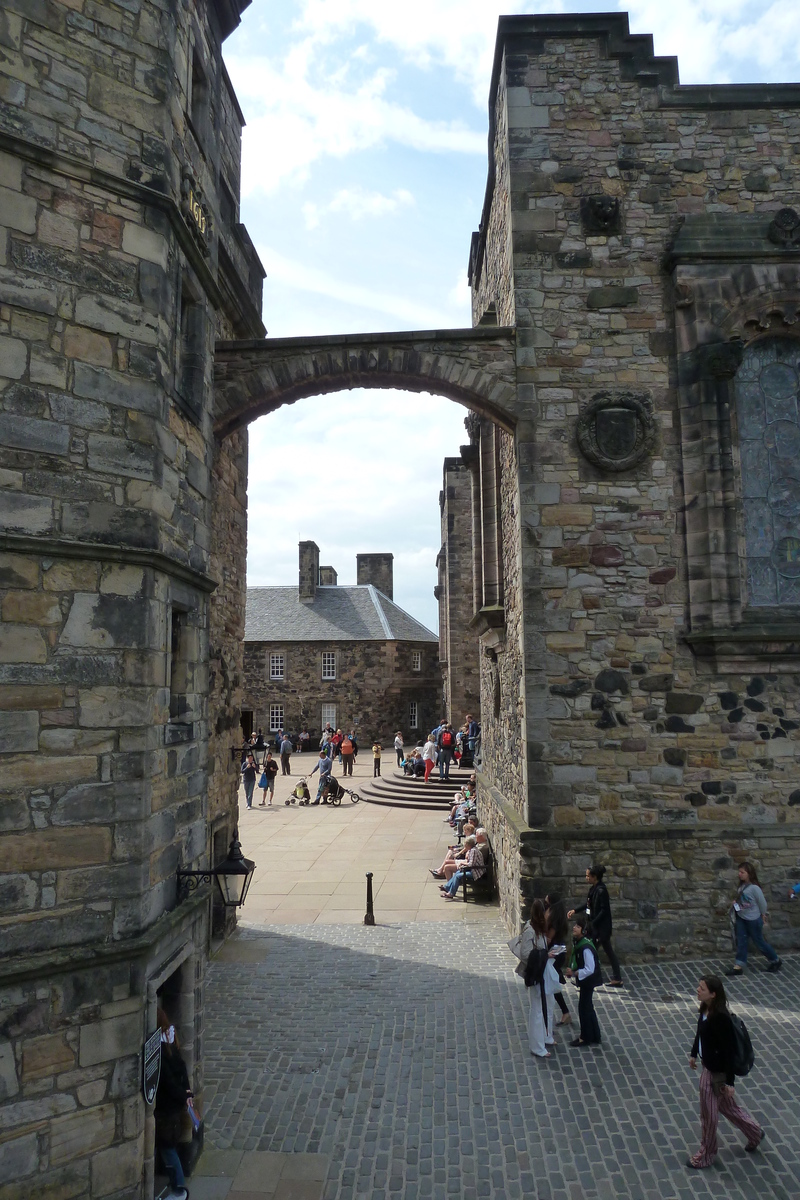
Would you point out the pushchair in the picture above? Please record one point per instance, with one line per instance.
(334, 791)
(300, 793)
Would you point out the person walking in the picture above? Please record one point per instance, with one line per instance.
(336, 745)
(324, 765)
(347, 756)
(172, 1095)
(286, 754)
(398, 747)
(267, 780)
(598, 910)
(445, 744)
(249, 773)
(584, 970)
(429, 755)
(376, 760)
(715, 1044)
(750, 909)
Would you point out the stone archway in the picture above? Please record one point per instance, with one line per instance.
(475, 367)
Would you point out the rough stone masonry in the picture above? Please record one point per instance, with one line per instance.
(641, 238)
(121, 262)
(633, 375)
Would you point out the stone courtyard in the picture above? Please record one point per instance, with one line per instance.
(346, 1061)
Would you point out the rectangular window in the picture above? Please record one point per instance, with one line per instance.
(329, 715)
(275, 717)
(412, 715)
(328, 666)
(190, 353)
(177, 681)
(276, 666)
(416, 660)
(198, 99)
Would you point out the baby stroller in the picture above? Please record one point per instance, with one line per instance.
(300, 793)
(334, 791)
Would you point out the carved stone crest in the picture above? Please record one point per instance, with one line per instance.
(784, 229)
(195, 212)
(616, 430)
(600, 215)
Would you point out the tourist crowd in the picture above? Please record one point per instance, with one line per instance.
(721, 1042)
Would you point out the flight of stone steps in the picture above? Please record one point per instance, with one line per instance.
(396, 790)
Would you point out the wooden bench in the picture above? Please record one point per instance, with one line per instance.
(485, 887)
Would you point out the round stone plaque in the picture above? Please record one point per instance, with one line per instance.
(616, 430)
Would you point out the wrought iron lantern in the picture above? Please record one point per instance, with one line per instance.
(233, 877)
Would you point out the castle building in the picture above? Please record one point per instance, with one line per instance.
(122, 261)
(633, 380)
(322, 654)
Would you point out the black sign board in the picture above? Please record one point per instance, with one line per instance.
(151, 1066)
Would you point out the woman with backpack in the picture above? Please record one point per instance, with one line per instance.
(716, 1044)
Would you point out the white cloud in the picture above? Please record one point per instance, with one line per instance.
(458, 34)
(293, 274)
(460, 297)
(358, 472)
(718, 41)
(356, 203)
(297, 114)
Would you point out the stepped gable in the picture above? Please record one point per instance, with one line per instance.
(358, 613)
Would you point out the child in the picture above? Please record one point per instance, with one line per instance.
(584, 970)
(376, 760)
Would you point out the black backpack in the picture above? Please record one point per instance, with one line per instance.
(743, 1056)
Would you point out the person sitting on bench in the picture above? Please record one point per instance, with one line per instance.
(473, 869)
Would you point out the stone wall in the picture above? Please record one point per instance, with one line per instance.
(458, 643)
(114, 285)
(226, 627)
(662, 719)
(374, 685)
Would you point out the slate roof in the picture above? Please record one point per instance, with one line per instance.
(336, 614)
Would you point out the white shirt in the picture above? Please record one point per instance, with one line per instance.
(588, 967)
(429, 751)
(398, 743)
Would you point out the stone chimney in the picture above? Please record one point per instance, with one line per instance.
(309, 570)
(376, 569)
(327, 577)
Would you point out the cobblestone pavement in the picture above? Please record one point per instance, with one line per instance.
(399, 1056)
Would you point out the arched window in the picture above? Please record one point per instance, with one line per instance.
(768, 424)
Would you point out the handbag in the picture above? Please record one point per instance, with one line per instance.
(515, 945)
(262, 783)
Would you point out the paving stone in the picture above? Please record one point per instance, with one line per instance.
(356, 1040)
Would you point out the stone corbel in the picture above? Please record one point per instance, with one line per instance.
(490, 625)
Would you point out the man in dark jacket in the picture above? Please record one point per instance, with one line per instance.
(171, 1097)
(598, 910)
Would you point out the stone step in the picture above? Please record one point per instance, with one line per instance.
(399, 791)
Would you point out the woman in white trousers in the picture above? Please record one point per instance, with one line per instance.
(540, 995)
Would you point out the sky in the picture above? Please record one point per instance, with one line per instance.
(364, 169)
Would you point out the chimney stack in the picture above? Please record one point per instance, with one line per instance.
(309, 570)
(327, 577)
(376, 569)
